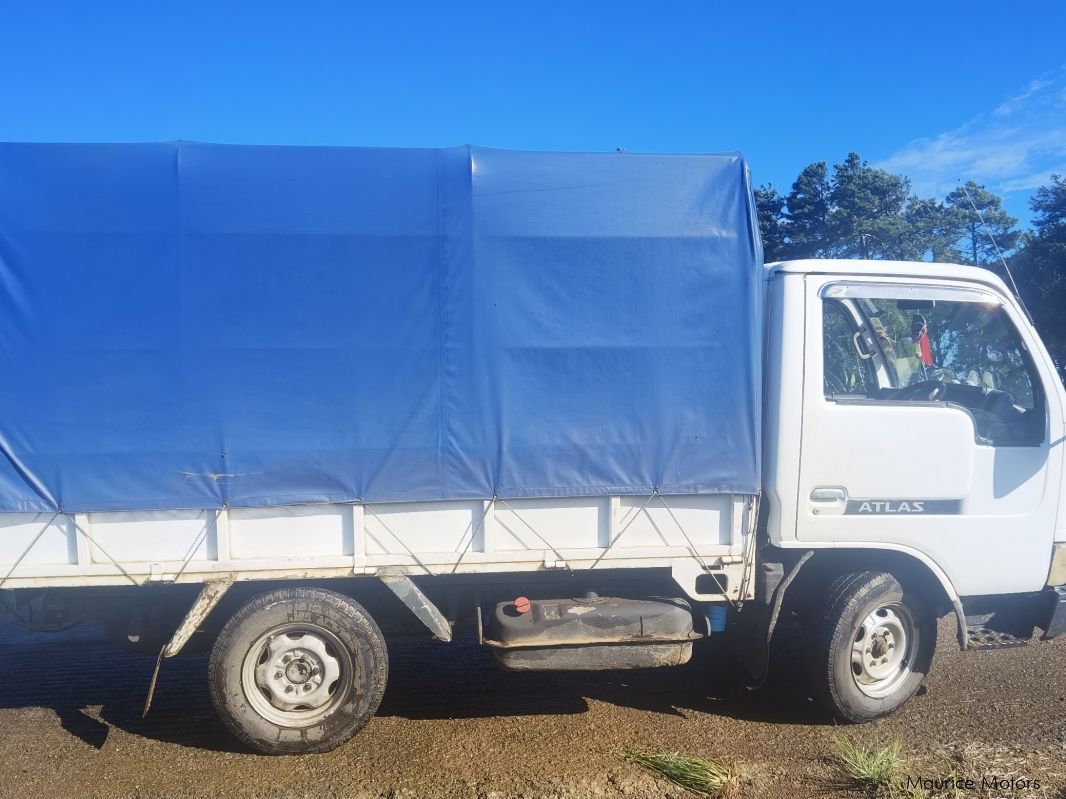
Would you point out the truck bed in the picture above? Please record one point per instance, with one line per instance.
(680, 532)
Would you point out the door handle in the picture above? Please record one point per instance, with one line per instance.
(828, 495)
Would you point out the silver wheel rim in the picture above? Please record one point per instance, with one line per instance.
(882, 650)
(296, 675)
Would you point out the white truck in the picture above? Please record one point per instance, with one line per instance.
(911, 460)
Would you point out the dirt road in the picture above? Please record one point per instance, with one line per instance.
(452, 725)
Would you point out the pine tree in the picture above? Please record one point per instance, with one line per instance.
(770, 206)
(988, 229)
(866, 220)
(808, 204)
(1040, 268)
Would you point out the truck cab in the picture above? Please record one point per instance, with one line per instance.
(914, 434)
(912, 409)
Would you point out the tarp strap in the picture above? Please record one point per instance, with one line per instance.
(103, 551)
(538, 535)
(473, 535)
(399, 540)
(625, 527)
(655, 495)
(26, 551)
(195, 545)
(691, 546)
(749, 552)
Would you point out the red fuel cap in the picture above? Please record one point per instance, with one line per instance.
(521, 605)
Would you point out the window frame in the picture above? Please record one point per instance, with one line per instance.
(858, 290)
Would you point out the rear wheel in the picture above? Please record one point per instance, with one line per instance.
(873, 646)
(299, 670)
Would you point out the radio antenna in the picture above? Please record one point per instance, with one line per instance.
(999, 252)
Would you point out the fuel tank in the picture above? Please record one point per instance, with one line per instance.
(591, 633)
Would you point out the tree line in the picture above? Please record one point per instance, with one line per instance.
(854, 210)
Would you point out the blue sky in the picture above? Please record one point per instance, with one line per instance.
(939, 91)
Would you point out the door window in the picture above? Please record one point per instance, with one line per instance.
(845, 371)
(913, 349)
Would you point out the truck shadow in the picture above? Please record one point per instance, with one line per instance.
(92, 687)
(424, 684)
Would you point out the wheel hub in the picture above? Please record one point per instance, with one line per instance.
(882, 650)
(297, 672)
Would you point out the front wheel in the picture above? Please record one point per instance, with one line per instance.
(299, 670)
(873, 646)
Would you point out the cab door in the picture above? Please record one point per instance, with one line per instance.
(928, 426)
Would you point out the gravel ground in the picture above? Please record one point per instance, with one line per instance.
(452, 725)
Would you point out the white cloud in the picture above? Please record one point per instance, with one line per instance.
(1015, 147)
(1017, 101)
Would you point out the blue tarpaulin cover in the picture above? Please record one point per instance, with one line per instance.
(189, 325)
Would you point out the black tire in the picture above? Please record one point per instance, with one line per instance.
(348, 637)
(845, 683)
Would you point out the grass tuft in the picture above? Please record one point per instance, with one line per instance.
(696, 774)
(875, 770)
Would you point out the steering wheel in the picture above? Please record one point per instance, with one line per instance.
(931, 390)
